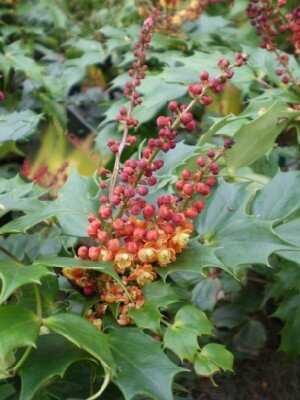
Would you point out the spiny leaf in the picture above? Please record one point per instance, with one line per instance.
(181, 337)
(193, 259)
(19, 327)
(84, 335)
(157, 295)
(143, 368)
(234, 237)
(69, 262)
(76, 200)
(54, 354)
(204, 367)
(18, 125)
(278, 199)
(257, 137)
(219, 355)
(14, 275)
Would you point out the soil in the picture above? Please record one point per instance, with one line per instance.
(268, 377)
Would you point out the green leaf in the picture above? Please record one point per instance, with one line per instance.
(204, 367)
(54, 354)
(279, 198)
(257, 137)
(69, 262)
(231, 234)
(289, 231)
(143, 368)
(219, 355)
(19, 327)
(290, 339)
(76, 200)
(181, 337)
(6, 391)
(229, 316)
(227, 203)
(158, 295)
(17, 195)
(214, 128)
(14, 275)
(205, 293)
(235, 242)
(251, 337)
(18, 125)
(84, 335)
(193, 259)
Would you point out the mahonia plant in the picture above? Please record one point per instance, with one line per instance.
(170, 15)
(274, 24)
(133, 234)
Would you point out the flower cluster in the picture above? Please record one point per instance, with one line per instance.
(171, 14)
(272, 23)
(136, 234)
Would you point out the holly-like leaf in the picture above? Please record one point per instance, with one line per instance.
(181, 336)
(14, 275)
(289, 231)
(219, 355)
(158, 296)
(235, 237)
(250, 338)
(204, 367)
(54, 354)
(76, 200)
(143, 368)
(84, 335)
(193, 259)
(205, 293)
(257, 137)
(18, 125)
(17, 195)
(6, 391)
(19, 327)
(68, 262)
(290, 341)
(278, 199)
(247, 241)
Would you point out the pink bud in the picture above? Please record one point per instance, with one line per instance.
(94, 253)
(83, 252)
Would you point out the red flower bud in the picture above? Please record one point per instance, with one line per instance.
(162, 121)
(152, 235)
(83, 252)
(94, 253)
(173, 106)
(191, 212)
(148, 211)
(113, 245)
(202, 188)
(188, 189)
(92, 231)
(104, 212)
(201, 161)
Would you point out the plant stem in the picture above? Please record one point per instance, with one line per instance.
(38, 299)
(245, 178)
(19, 364)
(10, 255)
(103, 386)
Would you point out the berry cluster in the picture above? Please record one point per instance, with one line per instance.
(273, 24)
(171, 14)
(136, 234)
